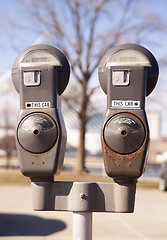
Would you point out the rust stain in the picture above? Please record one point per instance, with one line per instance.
(123, 165)
(110, 155)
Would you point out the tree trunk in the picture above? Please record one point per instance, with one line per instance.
(8, 157)
(80, 165)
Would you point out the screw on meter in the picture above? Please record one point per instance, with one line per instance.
(127, 74)
(40, 74)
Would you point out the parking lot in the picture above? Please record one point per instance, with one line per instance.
(19, 221)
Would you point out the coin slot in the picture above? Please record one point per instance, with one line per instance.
(36, 132)
(124, 133)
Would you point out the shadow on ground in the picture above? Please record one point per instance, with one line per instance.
(28, 225)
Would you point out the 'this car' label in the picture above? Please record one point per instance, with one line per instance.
(37, 104)
(125, 104)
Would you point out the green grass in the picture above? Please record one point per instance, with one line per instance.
(146, 183)
(12, 177)
(15, 177)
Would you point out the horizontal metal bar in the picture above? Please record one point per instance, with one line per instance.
(83, 196)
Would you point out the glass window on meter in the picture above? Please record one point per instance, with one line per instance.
(128, 57)
(39, 57)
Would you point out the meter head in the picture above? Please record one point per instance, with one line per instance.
(129, 55)
(39, 57)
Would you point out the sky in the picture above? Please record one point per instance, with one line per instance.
(10, 49)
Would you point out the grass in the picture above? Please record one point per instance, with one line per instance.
(15, 177)
(146, 183)
(12, 177)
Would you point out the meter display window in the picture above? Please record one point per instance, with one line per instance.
(39, 58)
(128, 57)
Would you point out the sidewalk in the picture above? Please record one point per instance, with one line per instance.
(18, 221)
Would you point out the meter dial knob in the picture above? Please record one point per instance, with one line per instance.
(124, 133)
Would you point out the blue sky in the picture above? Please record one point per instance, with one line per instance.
(10, 8)
(9, 51)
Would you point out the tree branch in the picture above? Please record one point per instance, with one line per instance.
(97, 11)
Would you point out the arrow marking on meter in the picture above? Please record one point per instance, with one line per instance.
(125, 104)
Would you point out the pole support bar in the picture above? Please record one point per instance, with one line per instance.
(83, 196)
(82, 225)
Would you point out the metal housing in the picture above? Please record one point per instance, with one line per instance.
(40, 73)
(152, 71)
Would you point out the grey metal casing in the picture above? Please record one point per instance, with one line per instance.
(63, 66)
(43, 165)
(41, 153)
(125, 166)
(125, 120)
(152, 71)
(83, 196)
(136, 89)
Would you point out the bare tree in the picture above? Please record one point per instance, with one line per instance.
(7, 141)
(84, 30)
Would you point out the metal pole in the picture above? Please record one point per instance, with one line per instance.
(82, 226)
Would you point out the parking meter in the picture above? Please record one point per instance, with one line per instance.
(40, 74)
(127, 74)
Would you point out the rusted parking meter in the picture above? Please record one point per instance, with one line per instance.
(127, 74)
(40, 74)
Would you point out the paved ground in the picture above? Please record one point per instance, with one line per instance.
(18, 221)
